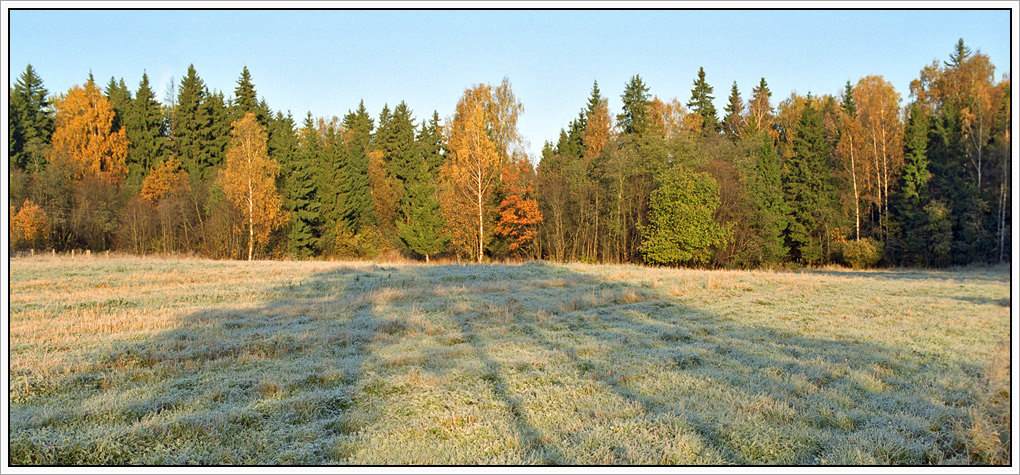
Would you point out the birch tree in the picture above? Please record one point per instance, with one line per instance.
(248, 181)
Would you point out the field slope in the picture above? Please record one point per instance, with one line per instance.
(179, 361)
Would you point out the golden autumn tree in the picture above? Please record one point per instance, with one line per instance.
(597, 130)
(879, 117)
(481, 138)
(248, 180)
(84, 138)
(519, 216)
(164, 179)
(469, 178)
(30, 227)
(384, 193)
(848, 150)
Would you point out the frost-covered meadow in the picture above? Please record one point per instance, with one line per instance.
(127, 360)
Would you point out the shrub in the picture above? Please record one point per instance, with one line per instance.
(367, 244)
(862, 254)
(30, 228)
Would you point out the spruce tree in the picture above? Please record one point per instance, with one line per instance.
(192, 125)
(912, 192)
(354, 207)
(807, 188)
(734, 120)
(594, 99)
(301, 192)
(30, 119)
(145, 131)
(635, 118)
(430, 142)
(849, 104)
(120, 98)
(768, 209)
(217, 136)
(331, 167)
(701, 104)
(245, 98)
(420, 223)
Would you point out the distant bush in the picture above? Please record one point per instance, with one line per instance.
(30, 228)
(862, 254)
(367, 244)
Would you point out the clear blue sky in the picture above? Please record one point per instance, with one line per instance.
(327, 61)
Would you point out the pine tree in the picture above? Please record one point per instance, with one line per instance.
(30, 118)
(734, 120)
(701, 104)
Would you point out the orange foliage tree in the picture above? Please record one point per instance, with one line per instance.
(519, 216)
(597, 130)
(248, 180)
(164, 179)
(481, 139)
(84, 137)
(30, 227)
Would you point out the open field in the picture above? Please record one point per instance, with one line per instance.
(177, 361)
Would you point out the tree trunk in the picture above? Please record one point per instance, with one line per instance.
(480, 222)
(857, 199)
(251, 219)
(885, 174)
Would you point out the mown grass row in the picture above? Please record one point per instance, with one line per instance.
(177, 361)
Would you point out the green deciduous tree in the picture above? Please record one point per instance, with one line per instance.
(681, 228)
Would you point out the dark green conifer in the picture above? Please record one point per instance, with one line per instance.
(701, 104)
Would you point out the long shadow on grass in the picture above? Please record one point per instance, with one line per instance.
(529, 364)
(594, 370)
(271, 382)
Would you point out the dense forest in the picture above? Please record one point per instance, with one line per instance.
(854, 179)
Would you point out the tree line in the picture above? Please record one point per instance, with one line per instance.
(852, 178)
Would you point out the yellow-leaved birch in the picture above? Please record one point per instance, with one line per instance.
(248, 180)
